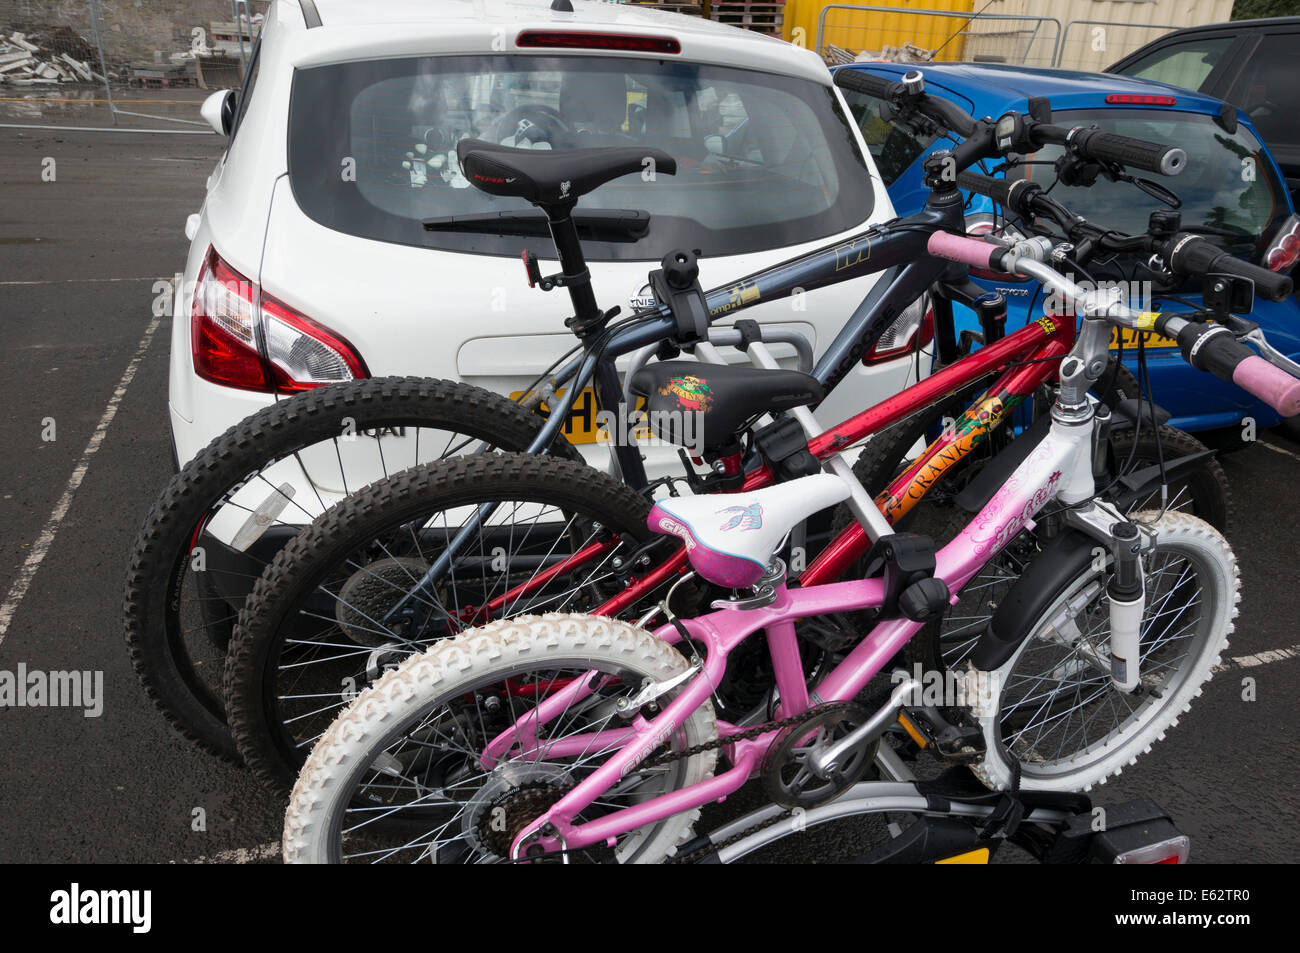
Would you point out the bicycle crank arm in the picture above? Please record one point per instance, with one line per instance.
(822, 762)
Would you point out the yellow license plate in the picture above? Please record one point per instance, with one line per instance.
(581, 426)
(1131, 338)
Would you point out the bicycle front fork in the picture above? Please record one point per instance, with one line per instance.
(1127, 595)
(1125, 591)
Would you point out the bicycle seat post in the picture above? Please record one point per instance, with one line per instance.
(573, 266)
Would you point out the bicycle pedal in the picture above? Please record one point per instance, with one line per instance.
(952, 743)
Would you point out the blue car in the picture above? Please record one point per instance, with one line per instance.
(1233, 194)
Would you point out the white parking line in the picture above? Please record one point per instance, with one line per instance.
(1263, 658)
(240, 855)
(1276, 449)
(66, 281)
(43, 542)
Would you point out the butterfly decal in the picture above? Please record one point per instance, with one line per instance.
(745, 517)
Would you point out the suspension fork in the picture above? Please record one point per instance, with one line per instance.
(1126, 592)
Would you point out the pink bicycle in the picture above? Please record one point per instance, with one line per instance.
(582, 737)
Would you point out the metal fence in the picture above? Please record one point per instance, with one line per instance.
(1095, 44)
(847, 31)
(121, 63)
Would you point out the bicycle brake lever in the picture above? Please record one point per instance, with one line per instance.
(1270, 353)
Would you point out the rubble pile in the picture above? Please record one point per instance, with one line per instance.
(56, 56)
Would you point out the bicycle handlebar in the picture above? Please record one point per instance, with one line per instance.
(1092, 143)
(1190, 254)
(1185, 253)
(1207, 347)
(1212, 348)
(942, 111)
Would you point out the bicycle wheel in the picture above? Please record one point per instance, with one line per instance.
(320, 624)
(1051, 708)
(407, 754)
(1203, 492)
(266, 477)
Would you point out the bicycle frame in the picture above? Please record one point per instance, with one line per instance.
(899, 245)
(1036, 348)
(1060, 466)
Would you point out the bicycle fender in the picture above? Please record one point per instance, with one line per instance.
(1142, 483)
(1049, 572)
(976, 494)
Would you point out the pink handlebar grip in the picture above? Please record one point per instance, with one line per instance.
(968, 251)
(1270, 384)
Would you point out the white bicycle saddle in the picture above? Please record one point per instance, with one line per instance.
(730, 537)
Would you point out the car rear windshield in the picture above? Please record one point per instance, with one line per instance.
(764, 161)
(1230, 193)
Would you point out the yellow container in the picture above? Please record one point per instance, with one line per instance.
(859, 29)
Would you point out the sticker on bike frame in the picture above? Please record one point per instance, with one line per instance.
(951, 447)
(738, 296)
(1131, 338)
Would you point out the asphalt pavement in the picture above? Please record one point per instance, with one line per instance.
(84, 359)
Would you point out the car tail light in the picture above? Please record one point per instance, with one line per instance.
(1139, 99)
(575, 40)
(912, 329)
(982, 223)
(223, 329)
(1284, 249)
(303, 354)
(294, 352)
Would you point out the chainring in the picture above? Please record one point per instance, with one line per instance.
(785, 776)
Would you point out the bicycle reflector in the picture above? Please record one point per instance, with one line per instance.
(1284, 249)
(912, 329)
(291, 352)
(1138, 832)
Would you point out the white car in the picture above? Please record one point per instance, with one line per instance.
(309, 255)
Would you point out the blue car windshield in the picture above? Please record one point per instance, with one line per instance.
(1230, 193)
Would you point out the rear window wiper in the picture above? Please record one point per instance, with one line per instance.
(601, 224)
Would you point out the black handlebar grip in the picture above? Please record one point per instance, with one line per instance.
(946, 113)
(998, 190)
(1017, 195)
(868, 83)
(1134, 153)
(949, 113)
(1190, 254)
(1212, 348)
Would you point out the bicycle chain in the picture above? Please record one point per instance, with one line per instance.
(749, 734)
